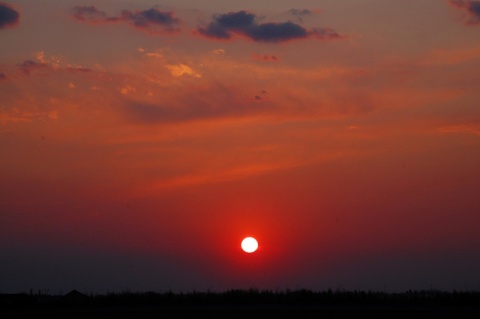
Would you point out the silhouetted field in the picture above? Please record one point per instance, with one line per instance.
(244, 304)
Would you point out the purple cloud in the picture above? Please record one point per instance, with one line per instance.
(236, 20)
(151, 19)
(471, 6)
(224, 26)
(277, 32)
(8, 16)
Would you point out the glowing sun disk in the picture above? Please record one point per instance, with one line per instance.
(249, 245)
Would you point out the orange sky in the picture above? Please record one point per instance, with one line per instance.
(142, 140)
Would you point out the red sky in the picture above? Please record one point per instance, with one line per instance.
(141, 141)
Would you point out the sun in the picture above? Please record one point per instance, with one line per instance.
(249, 245)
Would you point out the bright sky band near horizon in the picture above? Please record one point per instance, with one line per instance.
(141, 141)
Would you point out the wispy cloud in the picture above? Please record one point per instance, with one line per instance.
(218, 51)
(52, 62)
(153, 20)
(224, 26)
(194, 105)
(472, 7)
(452, 56)
(8, 16)
(179, 70)
(461, 129)
(265, 57)
(300, 14)
(91, 14)
(24, 116)
(29, 66)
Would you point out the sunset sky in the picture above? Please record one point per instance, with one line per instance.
(141, 141)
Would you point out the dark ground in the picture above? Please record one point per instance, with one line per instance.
(244, 304)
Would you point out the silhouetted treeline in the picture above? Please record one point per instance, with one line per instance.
(243, 297)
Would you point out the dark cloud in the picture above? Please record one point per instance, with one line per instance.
(472, 7)
(236, 20)
(475, 8)
(2, 76)
(277, 32)
(8, 16)
(214, 30)
(29, 66)
(225, 25)
(151, 19)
